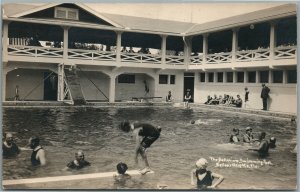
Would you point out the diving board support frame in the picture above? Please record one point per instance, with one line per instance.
(66, 178)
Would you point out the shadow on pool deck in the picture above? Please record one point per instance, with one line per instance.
(143, 104)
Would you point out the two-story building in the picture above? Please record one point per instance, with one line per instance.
(68, 52)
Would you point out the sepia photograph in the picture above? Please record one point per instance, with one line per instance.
(149, 95)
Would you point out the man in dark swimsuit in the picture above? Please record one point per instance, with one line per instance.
(79, 161)
(38, 153)
(149, 134)
(10, 149)
(263, 148)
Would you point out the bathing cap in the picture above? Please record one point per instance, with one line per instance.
(193, 122)
(125, 126)
(248, 128)
(79, 153)
(122, 168)
(201, 163)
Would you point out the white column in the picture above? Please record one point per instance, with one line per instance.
(270, 76)
(4, 73)
(284, 77)
(112, 88)
(66, 43)
(163, 49)
(187, 51)
(224, 77)
(234, 43)
(234, 76)
(257, 77)
(60, 82)
(215, 77)
(206, 77)
(205, 47)
(272, 39)
(118, 50)
(5, 41)
(245, 76)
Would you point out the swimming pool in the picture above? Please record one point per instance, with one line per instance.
(64, 130)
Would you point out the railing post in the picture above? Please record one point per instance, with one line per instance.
(118, 49)
(163, 49)
(205, 47)
(272, 39)
(4, 73)
(234, 43)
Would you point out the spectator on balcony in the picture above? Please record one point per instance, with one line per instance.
(265, 95)
(131, 50)
(124, 50)
(34, 41)
(238, 101)
(147, 51)
(17, 95)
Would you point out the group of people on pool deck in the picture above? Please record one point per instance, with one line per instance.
(248, 137)
(226, 100)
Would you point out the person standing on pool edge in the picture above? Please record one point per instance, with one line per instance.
(265, 95)
(149, 134)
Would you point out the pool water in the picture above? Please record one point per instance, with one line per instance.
(64, 130)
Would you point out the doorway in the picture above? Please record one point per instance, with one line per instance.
(189, 81)
(50, 86)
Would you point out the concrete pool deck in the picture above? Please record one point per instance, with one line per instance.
(154, 104)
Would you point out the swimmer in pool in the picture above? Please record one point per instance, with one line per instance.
(79, 162)
(263, 148)
(38, 156)
(205, 177)
(248, 136)
(9, 147)
(149, 135)
(234, 136)
(121, 175)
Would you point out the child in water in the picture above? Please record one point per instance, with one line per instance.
(121, 176)
(204, 177)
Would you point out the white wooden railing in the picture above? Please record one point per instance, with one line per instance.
(219, 58)
(91, 55)
(282, 52)
(288, 52)
(253, 55)
(33, 51)
(174, 60)
(196, 60)
(140, 58)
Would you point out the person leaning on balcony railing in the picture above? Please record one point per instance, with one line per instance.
(124, 50)
(131, 50)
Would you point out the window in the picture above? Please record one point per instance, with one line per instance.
(211, 77)
(229, 76)
(277, 76)
(163, 79)
(264, 76)
(240, 77)
(66, 13)
(202, 77)
(251, 76)
(291, 76)
(126, 78)
(220, 77)
(172, 79)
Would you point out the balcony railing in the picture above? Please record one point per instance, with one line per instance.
(253, 55)
(140, 58)
(282, 52)
(288, 52)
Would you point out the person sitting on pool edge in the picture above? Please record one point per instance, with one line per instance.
(205, 177)
(169, 97)
(121, 175)
(263, 148)
(272, 143)
(38, 156)
(149, 134)
(234, 136)
(79, 162)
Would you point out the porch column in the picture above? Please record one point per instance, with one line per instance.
(118, 49)
(66, 43)
(234, 43)
(5, 41)
(206, 77)
(187, 50)
(163, 49)
(245, 76)
(257, 77)
(234, 76)
(270, 76)
(272, 39)
(215, 77)
(205, 47)
(60, 83)
(284, 77)
(4, 73)
(112, 88)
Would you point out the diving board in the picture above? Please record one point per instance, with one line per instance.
(67, 178)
